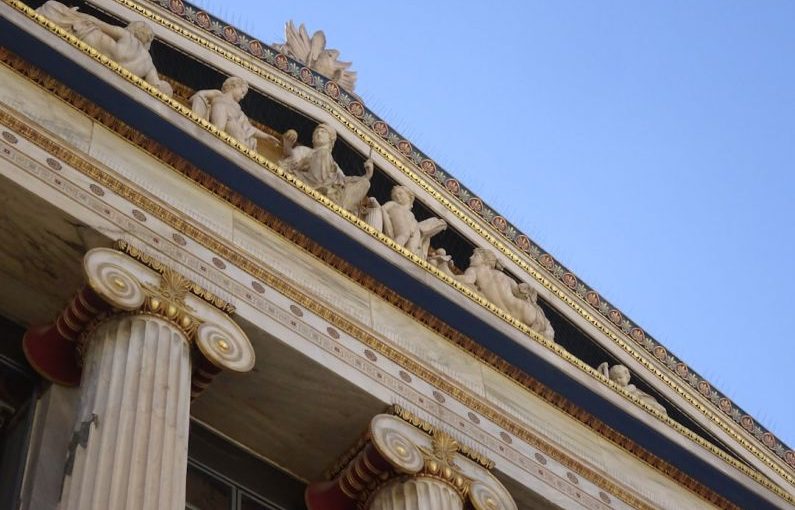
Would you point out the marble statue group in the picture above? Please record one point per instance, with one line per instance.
(315, 166)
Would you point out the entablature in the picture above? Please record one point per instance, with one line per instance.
(326, 348)
(484, 318)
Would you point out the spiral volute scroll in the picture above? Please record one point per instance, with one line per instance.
(395, 441)
(109, 276)
(230, 351)
(490, 496)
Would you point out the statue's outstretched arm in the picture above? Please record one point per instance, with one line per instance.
(262, 135)
(470, 276)
(112, 30)
(368, 168)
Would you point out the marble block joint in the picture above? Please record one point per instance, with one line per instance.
(397, 466)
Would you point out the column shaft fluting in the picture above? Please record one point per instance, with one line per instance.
(130, 449)
(416, 493)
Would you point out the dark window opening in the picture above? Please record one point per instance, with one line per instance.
(222, 476)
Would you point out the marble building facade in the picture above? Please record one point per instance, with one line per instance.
(227, 284)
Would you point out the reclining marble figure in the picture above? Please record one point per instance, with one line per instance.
(317, 168)
(620, 375)
(485, 276)
(396, 219)
(128, 46)
(222, 109)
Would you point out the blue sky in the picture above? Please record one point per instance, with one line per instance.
(649, 146)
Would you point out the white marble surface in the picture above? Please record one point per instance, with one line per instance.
(49, 440)
(148, 173)
(515, 401)
(426, 346)
(416, 494)
(579, 440)
(132, 418)
(45, 109)
(301, 268)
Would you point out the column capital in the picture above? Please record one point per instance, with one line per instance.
(117, 283)
(393, 450)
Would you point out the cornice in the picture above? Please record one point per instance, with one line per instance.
(487, 223)
(250, 266)
(470, 295)
(465, 396)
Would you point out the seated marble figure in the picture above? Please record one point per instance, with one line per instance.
(439, 259)
(222, 109)
(485, 276)
(396, 219)
(316, 167)
(620, 375)
(128, 46)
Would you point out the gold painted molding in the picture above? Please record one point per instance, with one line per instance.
(462, 395)
(408, 416)
(468, 293)
(160, 267)
(487, 232)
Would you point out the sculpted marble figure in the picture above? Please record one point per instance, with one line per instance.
(312, 52)
(222, 109)
(439, 259)
(128, 46)
(485, 275)
(317, 168)
(620, 375)
(396, 219)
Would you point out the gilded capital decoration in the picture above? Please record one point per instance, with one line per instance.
(118, 284)
(394, 455)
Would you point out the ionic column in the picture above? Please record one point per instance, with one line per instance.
(136, 329)
(401, 467)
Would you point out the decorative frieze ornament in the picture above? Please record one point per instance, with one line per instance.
(620, 375)
(312, 52)
(127, 46)
(485, 275)
(222, 109)
(396, 219)
(317, 168)
(401, 467)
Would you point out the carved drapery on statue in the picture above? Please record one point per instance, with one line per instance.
(316, 167)
(222, 109)
(396, 219)
(620, 375)
(128, 46)
(312, 52)
(401, 467)
(485, 275)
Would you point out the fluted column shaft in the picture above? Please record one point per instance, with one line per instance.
(130, 449)
(416, 493)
